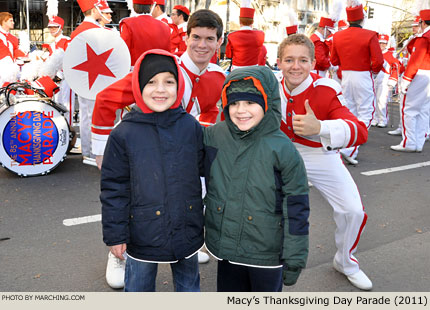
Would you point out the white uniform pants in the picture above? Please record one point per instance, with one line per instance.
(86, 107)
(359, 92)
(382, 94)
(415, 111)
(66, 97)
(330, 177)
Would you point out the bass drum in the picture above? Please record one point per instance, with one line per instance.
(34, 137)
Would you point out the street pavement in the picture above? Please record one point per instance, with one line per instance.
(39, 253)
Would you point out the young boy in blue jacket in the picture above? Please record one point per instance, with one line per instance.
(150, 180)
(257, 205)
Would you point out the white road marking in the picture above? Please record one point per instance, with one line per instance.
(395, 169)
(82, 220)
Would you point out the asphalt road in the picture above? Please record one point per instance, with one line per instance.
(39, 253)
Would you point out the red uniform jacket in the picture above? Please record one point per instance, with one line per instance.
(322, 53)
(420, 56)
(325, 99)
(9, 46)
(262, 58)
(244, 47)
(357, 49)
(142, 33)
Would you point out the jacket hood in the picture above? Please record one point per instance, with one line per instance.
(265, 81)
(135, 80)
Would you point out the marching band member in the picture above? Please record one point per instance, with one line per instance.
(357, 52)
(143, 32)
(9, 50)
(244, 45)
(159, 12)
(385, 81)
(106, 13)
(66, 96)
(415, 85)
(92, 13)
(315, 118)
(404, 55)
(179, 17)
(322, 49)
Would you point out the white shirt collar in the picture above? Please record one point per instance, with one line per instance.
(190, 65)
(4, 31)
(245, 28)
(91, 20)
(301, 88)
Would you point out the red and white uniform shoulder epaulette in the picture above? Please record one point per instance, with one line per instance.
(164, 18)
(143, 32)
(87, 24)
(356, 49)
(322, 52)
(202, 90)
(339, 127)
(420, 55)
(244, 46)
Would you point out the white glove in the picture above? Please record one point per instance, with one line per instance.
(404, 84)
(392, 83)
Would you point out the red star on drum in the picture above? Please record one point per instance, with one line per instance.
(106, 60)
(95, 65)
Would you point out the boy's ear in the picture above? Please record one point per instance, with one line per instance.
(220, 42)
(314, 62)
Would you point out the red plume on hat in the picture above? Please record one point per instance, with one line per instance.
(246, 9)
(354, 10)
(182, 8)
(292, 27)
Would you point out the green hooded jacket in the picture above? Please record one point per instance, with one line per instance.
(257, 204)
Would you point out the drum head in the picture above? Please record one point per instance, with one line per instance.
(95, 59)
(34, 138)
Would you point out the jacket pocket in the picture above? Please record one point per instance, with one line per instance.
(213, 220)
(194, 219)
(262, 234)
(147, 226)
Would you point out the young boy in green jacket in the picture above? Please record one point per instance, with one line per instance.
(257, 204)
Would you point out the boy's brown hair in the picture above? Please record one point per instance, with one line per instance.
(297, 39)
(205, 18)
(4, 16)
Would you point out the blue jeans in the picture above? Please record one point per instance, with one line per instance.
(140, 276)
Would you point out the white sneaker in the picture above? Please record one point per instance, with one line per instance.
(89, 161)
(401, 148)
(203, 257)
(395, 132)
(381, 125)
(115, 271)
(349, 159)
(358, 279)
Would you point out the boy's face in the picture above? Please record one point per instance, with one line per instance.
(54, 31)
(382, 45)
(8, 24)
(160, 93)
(295, 64)
(201, 45)
(245, 114)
